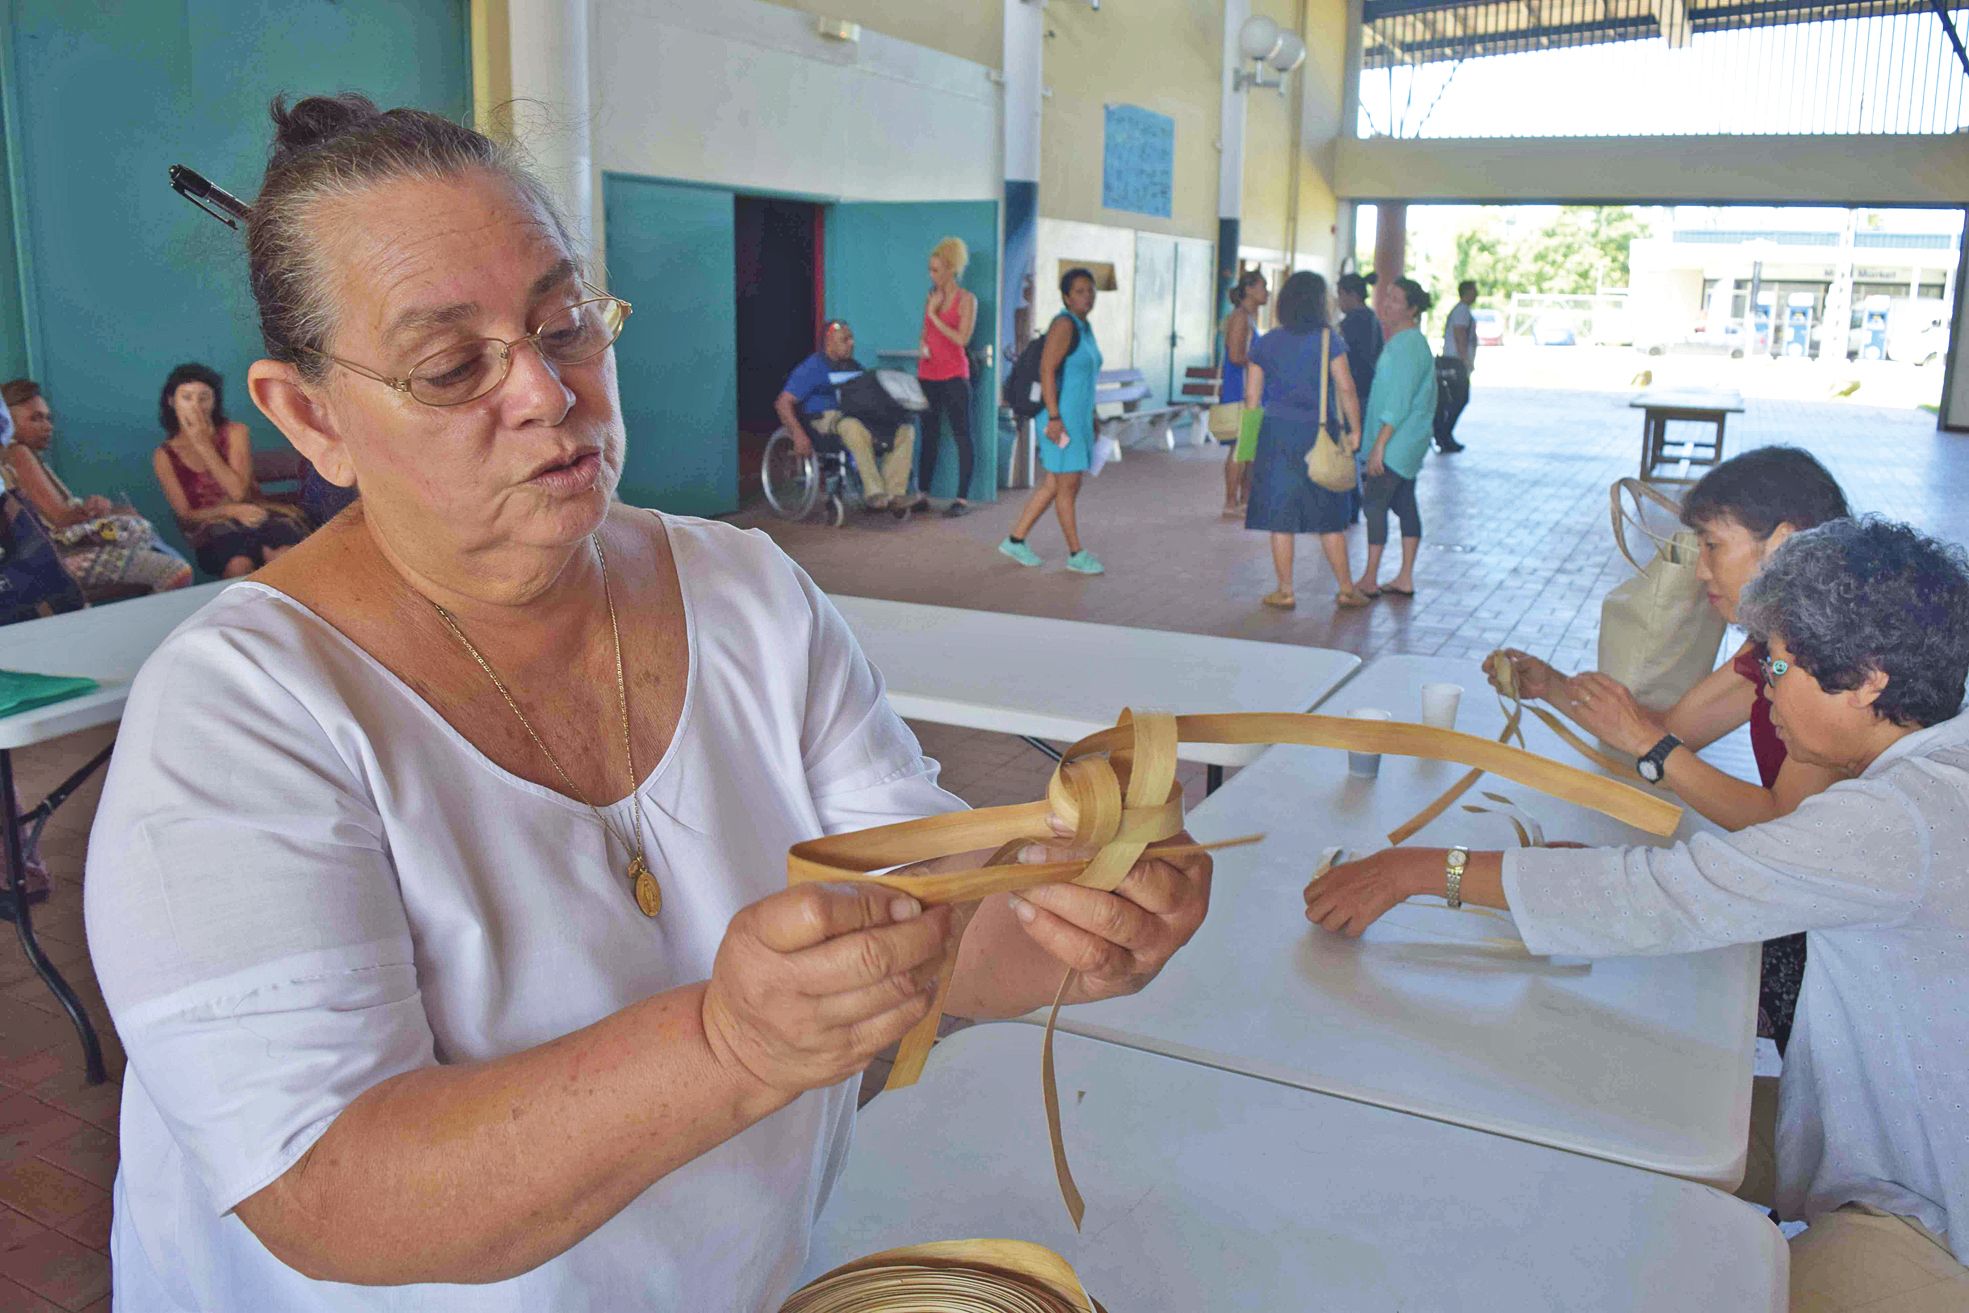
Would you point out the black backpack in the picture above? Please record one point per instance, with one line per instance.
(1022, 393)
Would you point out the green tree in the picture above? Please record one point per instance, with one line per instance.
(1583, 250)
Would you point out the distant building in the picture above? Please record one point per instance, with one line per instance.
(1696, 288)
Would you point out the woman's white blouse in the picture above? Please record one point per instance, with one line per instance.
(302, 882)
(1873, 1106)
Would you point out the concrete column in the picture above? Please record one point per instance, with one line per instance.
(1955, 377)
(1836, 323)
(1390, 248)
(1024, 82)
(1230, 156)
(551, 111)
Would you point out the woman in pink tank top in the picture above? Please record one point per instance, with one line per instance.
(950, 315)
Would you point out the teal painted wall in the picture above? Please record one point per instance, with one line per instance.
(128, 279)
(13, 339)
(671, 253)
(877, 258)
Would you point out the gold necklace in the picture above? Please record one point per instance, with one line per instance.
(642, 882)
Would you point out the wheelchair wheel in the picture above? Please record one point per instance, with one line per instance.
(837, 510)
(791, 482)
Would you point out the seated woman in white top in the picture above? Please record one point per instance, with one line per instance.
(1867, 624)
(401, 1005)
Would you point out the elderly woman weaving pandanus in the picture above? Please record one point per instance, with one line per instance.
(438, 887)
(1867, 628)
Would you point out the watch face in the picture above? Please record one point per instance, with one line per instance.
(1650, 770)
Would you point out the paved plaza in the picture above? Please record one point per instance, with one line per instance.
(1517, 551)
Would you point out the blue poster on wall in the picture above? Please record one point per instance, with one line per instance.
(1139, 169)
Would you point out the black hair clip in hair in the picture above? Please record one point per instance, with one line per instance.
(195, 187)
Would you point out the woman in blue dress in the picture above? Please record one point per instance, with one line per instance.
(1284, 377)
(1069, 365)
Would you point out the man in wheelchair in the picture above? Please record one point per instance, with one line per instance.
(810, 408)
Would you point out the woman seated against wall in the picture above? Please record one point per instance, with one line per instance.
(1742, 511)
(110, 550)
(1866, 626)
(205, 466)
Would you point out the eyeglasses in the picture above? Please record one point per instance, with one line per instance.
(1773, 668)
(469, 370)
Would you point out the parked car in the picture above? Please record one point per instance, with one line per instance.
(1917, 331)
(1490, 328)
(1553, 330)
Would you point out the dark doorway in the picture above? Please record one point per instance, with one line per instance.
(778, 261)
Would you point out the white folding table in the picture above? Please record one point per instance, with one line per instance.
(1644, 1061)
(1041, 678)
(1206, 1189)
(107, 643)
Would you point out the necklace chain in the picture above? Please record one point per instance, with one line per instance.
(643, 882)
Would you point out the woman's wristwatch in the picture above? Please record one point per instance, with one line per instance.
(1654, 763)
(1453, 865)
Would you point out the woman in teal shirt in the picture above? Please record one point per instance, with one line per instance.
(1401, 413)
(1069, 367)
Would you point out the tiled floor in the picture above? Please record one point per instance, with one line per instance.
(1516, 550)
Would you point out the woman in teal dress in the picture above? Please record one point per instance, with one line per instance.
(1069, 366)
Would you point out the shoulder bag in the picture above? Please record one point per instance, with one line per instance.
(1329, 464)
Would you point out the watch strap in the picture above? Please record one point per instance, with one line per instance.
(1657, 757)
(1453, 863)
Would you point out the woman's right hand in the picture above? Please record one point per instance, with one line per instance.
(1056, 432)
(1535, 679)
(247, 513)
(812, 982)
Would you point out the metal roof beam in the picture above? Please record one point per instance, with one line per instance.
(1954, 37)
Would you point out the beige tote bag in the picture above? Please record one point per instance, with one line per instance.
(1329, 464)
(1658, 632)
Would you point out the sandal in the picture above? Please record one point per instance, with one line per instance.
(1279, 600)
(1369, 593)
(1398, 592)
(1352, 599)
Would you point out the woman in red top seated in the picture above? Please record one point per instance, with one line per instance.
(1741, 511)
(205, 467)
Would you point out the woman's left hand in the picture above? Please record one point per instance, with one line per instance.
(1605, 709)
(94, 506)
(1352, 896)
(1116, 942)
(1375, 465)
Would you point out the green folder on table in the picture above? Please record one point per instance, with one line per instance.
(21, 691)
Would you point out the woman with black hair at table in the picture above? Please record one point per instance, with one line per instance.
(1742, 512)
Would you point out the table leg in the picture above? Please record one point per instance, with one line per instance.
(1040, 744)
(92, 1050)
(1213, 778)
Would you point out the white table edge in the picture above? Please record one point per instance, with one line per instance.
(1724, 1175)
(1040, 725)
(98, 707)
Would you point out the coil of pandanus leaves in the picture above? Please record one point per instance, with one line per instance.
(952, 1276)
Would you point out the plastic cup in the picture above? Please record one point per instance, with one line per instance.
(1439, 703)
(1367, 765)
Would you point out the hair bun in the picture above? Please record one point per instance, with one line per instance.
(319, 119)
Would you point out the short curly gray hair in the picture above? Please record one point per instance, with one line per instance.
(1857, 596)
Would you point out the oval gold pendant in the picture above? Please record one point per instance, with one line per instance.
(649, 894)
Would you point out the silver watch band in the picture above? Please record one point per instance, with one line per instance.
(1453, 865)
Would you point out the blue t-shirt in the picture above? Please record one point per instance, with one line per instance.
(1294, 371)
(812, 383)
